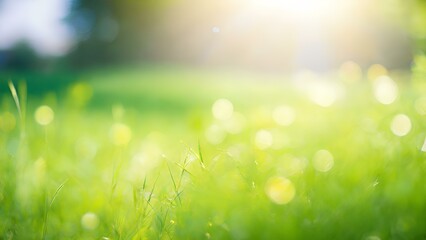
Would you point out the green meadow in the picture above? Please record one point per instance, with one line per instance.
(175, 153)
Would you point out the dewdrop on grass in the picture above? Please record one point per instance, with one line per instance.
(44, 115)
(280, 190)
(120, 134)
(89, 221)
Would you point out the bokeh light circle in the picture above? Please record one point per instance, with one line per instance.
(44, 115)
(401, 125)
(280, 190)
(323, 161)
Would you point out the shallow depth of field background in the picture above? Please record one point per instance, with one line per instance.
(236, 119)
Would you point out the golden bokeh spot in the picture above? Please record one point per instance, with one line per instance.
(89, 221)
(375, 71)
(120, 134)
(215, 134)
(401, 125)
(323, 94)
(284, 115)
(420, 105)
(222, 109)
(235, 124)
(293, 165)
(263, 139)
(350, 72)
(40, 171)
(44, 115)
(323, 161)
(7, 122)
(280, 190)
(81, 93)
(372, 237)
(385, 90)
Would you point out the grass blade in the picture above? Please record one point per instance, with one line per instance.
(15, 98)
(199, 153)
(57, 192)
(48, 206)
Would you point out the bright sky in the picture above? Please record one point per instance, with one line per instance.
(39, 23)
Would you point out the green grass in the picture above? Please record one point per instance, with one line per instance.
(167, 180)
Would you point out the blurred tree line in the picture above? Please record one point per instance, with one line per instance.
(111, 32)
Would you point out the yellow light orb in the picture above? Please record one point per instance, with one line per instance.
(263, 139)
(81, 93)
(401, 125)
(284, 115)
(420, 105)
(44, 115)
(323, 161)
(215, 134)
(350, 72)
(280, 190)
(120, 134)
(323, 94)
(372, 237)
(293, 165)
(89, 221)
(385, 90)
(222, 109)
(423, 149)
(7, 122)
(375, 71)
(235, 124)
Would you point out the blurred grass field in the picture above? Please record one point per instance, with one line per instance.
(172, 153)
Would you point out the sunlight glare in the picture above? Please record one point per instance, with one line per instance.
(301, 10)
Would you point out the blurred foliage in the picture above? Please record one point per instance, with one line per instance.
(141, 160)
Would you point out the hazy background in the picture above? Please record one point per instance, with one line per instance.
(259, 35)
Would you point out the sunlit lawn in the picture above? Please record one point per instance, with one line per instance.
(169, 153)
